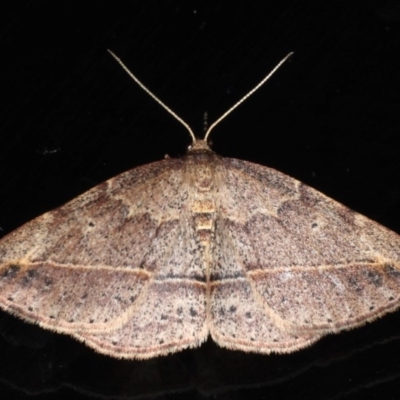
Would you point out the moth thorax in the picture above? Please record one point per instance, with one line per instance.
(203, 178)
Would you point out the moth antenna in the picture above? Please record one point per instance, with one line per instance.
(153, 95)
(246, 96)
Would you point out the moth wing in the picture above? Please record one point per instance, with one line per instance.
(310, 265)
(88, 267)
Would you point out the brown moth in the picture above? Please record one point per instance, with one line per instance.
(193, 268)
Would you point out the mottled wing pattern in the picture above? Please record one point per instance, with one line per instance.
(99, 267)
(151, 261)
(292, 264)
(240, 319)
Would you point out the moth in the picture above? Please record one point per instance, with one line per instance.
(159, 258)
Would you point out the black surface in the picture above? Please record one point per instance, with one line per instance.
(71, 118)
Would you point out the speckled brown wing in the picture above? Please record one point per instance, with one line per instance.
(91, 268)
(292, 264)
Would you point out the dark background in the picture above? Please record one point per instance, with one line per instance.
(71, 118)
